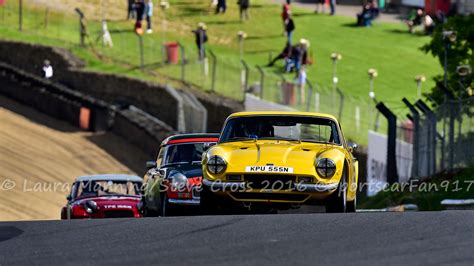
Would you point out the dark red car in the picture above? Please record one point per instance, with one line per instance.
(104, 196)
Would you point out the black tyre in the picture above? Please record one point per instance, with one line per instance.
(165, 208)
(351, 206)
(208, 202)
(337, 202)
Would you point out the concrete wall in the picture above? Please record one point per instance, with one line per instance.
(151, 97)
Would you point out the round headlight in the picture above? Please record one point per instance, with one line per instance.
(178, 180)
(216, 165)
(326, 167)
(90, 206)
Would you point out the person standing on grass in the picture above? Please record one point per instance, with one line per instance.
(149, 14)
(320, 4)
(47, 69)
(131, 10)
(244, 9)
(284, 16)
(221, 6)
(140, 9)
(332, 5)
(289, 28)
(201, 38)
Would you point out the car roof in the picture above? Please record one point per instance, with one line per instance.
(261, 113)
(193, 137)
(109, 177)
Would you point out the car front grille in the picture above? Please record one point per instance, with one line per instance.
(269, 196)
(269, 181)
(196, 192)
(118, 214)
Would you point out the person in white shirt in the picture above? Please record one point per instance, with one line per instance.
(47, 69)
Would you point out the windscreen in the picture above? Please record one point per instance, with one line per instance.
(297, 128)
(184, 153)
(108, 188)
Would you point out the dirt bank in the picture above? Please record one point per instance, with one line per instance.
(41, 156)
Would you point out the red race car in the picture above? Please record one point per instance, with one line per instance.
(103, 196)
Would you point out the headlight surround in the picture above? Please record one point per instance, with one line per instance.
(325, 167)
(216, 165)
(178, 180)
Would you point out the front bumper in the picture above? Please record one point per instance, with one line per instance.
(188, 202)
(221, 186)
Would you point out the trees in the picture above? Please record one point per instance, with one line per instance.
(459, 52)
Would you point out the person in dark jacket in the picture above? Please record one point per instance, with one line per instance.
(283, 54)
(131, 10)
(289, 28)
(244, 9)
(221, 6)
(201, 38)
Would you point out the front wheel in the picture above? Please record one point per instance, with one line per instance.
(351, 206)
(208, 202)
(165, 207)
(337, 202)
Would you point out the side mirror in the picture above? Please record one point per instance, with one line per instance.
(150, 164)
(353, 147)
(207, 145)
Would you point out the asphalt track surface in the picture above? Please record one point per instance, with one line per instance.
(410, 238)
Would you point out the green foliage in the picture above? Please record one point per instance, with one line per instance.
(460, 52)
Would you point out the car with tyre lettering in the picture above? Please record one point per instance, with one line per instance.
(173, 181)
(280, 160)
(104, 196)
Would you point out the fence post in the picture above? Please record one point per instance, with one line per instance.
(82, 26)
(262, 80)
(245, 76)
(183, 62)
(280, 89)
(310, 96)
(431, 135)
(392, 173)
(416, 132)
(214, 70)
(341, 103)
(20, 15)
(140, 44)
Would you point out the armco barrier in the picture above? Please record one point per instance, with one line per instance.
(141, 129)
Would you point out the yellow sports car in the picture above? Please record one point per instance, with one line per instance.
(280, 160)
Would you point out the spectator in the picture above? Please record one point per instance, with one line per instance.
(140, 10)
(369, 12)
(131, 10)
(106, 37)
(284, 16)
(221, 6)
(332, 6)
(244, 9)
(320, 4)
(47, 69)
(298, 56)
(428, 24)
(149, 14)
(415, 20)
(201, 39)
(289, 28)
